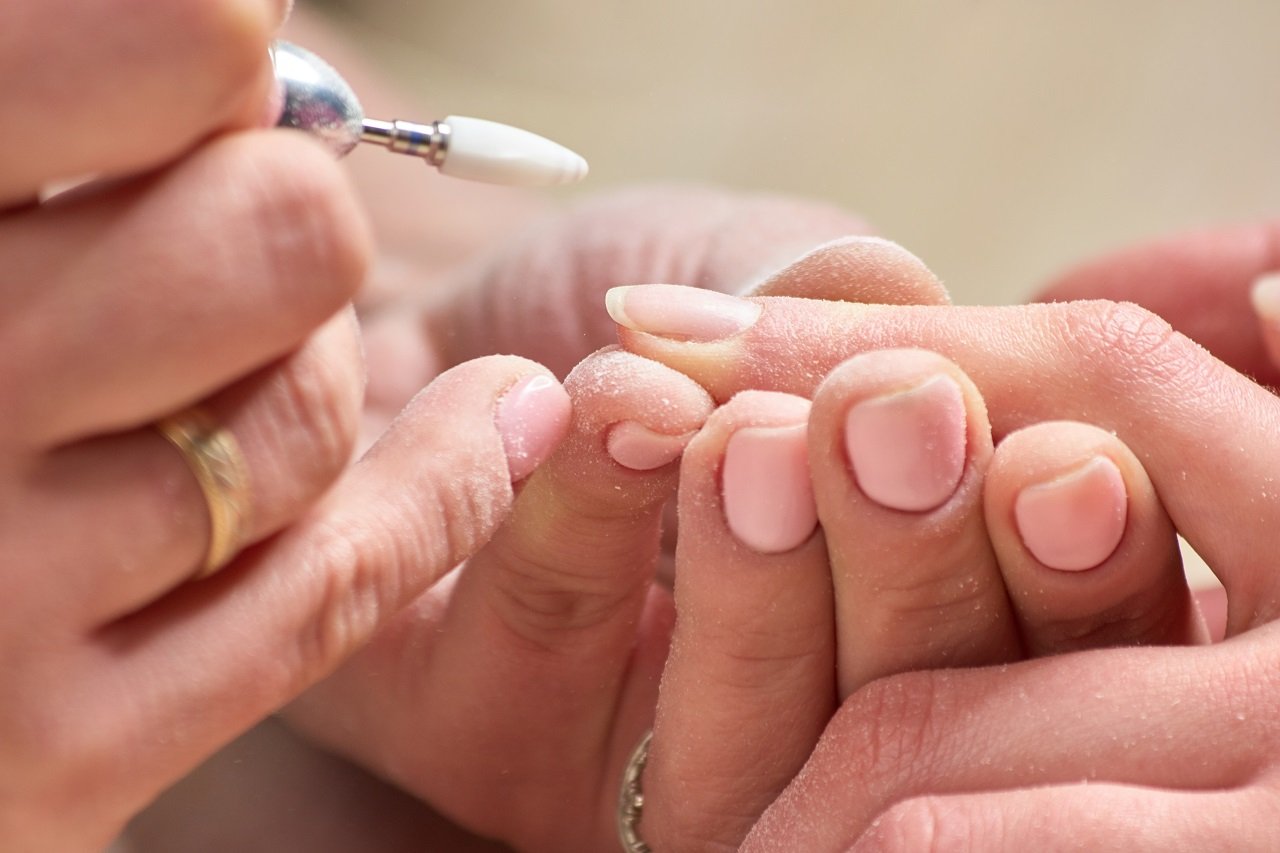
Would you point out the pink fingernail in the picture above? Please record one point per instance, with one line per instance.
(635, 446)
(680, 313)
(768, 497)
(532, 418)
(1074, 522)
(907, 450)
(1265, 296)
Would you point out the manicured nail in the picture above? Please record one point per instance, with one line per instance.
(1266, 297)
(907, 449)
(633, 445)
(532, 418)
(680, 313)
(768, 497)
(1075, 521)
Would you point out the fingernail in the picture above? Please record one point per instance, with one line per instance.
(680, 313)
(633, 445)
(1265, 296)
(907, 449)
(767, 494)
(532, 418)
(1075, 521)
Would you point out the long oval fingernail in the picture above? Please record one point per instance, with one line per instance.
(680, 313)
(768, 496)
(532, 418)
(1265, 295)
(907, 449)
(1074, 522)
(633, 445)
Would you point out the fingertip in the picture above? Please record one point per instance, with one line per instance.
(857, 268)
(643, 413)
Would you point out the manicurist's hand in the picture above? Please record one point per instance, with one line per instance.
(182, 382)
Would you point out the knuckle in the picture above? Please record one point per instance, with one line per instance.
(892, 728)
(1126, 341)
(920, 825)
(231, 37)
(543, 604)
(347, 599)
(313, 238)
(320, 405)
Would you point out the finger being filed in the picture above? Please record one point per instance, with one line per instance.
(563, 595)
(899, 445)
(140, 519)
(220, 654)
(568, 574)
(1088, 554)
(752, 659)
(132, 302)
(1081, 817)
(115, 87)
(858, 269)
(1201, 430)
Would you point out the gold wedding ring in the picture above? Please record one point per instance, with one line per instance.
(631, 799)
(214, 457)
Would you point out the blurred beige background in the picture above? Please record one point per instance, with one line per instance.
(1000, 140)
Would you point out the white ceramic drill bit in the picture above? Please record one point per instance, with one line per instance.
(319, 101)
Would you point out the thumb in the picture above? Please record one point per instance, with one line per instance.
(543, 296)
(430, 493)
(1201, 284)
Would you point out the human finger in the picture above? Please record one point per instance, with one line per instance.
(752, 657)
(552, 278)
(1078, 817)
(899, 446)
(1117, 715)
(1200, 282)
(858, 269)
(94, 88)
(1201, 430)
(126, 304)
(553, 639)
(1088, 555)
(210, 659)
(293, 424)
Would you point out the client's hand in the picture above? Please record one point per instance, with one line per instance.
(527, 678)
(963, 756)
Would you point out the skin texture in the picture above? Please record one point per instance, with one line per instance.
(127, 305)
(128, 649)
(752, 653)
(1202, 432)
(448, 702)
